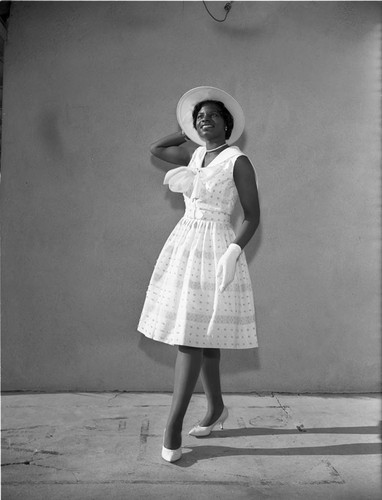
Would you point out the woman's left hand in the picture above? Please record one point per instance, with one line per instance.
(225, 271)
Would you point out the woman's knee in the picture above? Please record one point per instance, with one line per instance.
(188, 349)
(211, 353)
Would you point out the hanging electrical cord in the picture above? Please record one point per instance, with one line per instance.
(227, 8)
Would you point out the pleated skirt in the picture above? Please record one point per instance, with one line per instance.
(183, 305)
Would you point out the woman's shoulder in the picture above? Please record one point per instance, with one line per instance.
(232, 153)
(244, 164)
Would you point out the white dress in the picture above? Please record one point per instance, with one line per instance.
(183, 305)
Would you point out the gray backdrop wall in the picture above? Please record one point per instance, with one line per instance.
(88, 86)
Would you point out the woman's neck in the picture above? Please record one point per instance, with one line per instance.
(212, 147)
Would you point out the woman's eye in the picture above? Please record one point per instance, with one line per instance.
(211, 115)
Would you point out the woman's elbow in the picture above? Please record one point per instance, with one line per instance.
(255, 221)
(258, 218)
(157, 151)
(254, 216)
(153, 149)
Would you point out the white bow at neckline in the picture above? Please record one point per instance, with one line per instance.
(181, 179)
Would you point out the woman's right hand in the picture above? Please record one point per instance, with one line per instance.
(169, 149)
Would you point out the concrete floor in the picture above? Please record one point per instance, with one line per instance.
(107, 446)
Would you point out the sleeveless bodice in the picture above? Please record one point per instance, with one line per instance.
(209, 192)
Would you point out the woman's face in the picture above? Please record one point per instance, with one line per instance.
(210, 124)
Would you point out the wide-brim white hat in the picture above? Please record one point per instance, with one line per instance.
(188, 102)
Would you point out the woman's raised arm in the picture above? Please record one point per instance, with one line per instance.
(169, 149)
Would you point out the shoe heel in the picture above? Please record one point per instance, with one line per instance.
(200, 431)
(223, 418)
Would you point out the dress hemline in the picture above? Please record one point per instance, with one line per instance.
(235, 348)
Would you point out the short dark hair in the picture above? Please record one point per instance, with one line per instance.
(226, 115)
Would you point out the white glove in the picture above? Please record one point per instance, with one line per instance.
(225, 271)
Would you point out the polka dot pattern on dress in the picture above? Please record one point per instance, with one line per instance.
(183, 305)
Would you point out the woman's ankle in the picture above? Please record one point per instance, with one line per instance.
(213, 413)
(173, 437)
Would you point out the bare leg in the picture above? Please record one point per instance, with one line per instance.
(211, 384)
(187, 369)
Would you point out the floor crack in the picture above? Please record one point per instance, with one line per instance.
(115, 396)
(284, 408)
(28, 450)
(25, 462)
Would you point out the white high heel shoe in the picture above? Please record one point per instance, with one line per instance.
(171, 455)
(199, 431)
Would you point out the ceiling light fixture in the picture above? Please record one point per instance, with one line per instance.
(227, 8)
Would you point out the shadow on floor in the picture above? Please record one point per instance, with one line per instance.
(200, 453)
(269, 431)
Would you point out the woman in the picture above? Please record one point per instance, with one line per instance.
(200, 295)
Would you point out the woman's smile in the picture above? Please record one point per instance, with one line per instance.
(210, 121)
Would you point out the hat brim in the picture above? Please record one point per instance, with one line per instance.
(188, 102)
